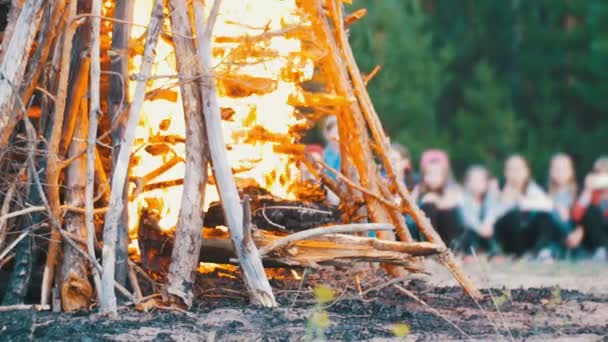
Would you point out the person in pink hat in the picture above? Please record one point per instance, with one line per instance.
(439, 196)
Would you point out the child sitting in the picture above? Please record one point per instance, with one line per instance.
(591, 211)
(439, 195)
(473, 208)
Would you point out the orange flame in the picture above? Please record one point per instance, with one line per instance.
(257, 70)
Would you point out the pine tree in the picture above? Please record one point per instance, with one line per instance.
(486, 129)
(395, 35)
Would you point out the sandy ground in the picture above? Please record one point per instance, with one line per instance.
(530, 301)
(586, 276)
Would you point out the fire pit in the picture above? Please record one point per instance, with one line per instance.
(158, 135)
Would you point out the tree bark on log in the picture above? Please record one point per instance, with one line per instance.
(117, 105)
(76, 290)
(121, 169)
(260, 292)
(54, 161)
(13, 65)
(188, 237)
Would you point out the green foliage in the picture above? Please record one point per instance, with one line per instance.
(488, 110)
(484, 79)
(400, 330)
(503, 298)
(395, 35)
(319, 321)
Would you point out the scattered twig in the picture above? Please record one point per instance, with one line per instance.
(16, 307)
(13, 244)
(502, 317)
(423, 303)
(270, 221)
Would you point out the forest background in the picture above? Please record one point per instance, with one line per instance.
(485, 79)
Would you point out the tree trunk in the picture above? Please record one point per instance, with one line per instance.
(188, 236)
(255, 279)
(121, 169)
(76, 290)
(117, 105)
(13, 65)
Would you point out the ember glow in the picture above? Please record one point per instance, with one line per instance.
(257, 75)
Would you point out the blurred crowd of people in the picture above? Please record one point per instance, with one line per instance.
(503, 215)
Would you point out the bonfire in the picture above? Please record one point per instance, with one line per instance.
(153, 138)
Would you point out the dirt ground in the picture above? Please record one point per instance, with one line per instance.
(529, 301)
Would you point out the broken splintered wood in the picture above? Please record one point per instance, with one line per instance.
(257, 284)
(310, 233)
(315, 251)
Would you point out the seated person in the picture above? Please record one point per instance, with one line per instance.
(473, 208)
(519, 213)
(591, 211)
(402, 166)
(331, 154)
(562, 188)
(439, 196)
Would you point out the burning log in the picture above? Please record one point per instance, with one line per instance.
(272, 213)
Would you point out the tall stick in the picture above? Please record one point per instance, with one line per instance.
(53, 161)
(13, 64)
(255, 279)
(188, 237)
(353, 125)
(383, 145)
(94, 110)
(76, 290)
(117, 104)
(121, 169)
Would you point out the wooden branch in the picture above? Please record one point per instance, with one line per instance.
(10, 247)
(32, 142)
(117, 104)
(383, 144)
(331, 249)
(14, 60)
(254, 276)
(6, 205)
(53, 161)
(76, 290)
(52, 24)
(17, 307)
(121, 169)
(371, 75)
(188, 238)
(94, 111)
(354, 17)
(310, 233)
